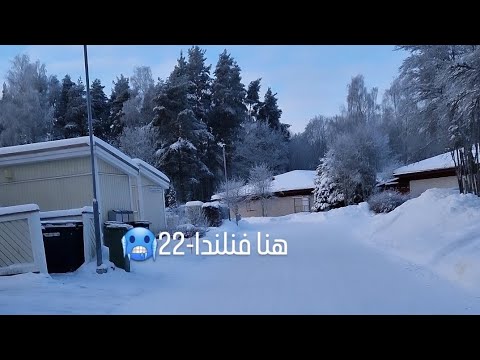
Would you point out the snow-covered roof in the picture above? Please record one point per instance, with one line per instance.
(149, 167)
(391, 181)
(46, 145)
(442, 161)
(292, 180)
(65, 148)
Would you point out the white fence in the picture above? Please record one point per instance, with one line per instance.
(21, 240)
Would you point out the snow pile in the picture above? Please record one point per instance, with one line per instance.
(440, 230)
(194, 203)
(213, 204)
(65, 213)
(18, 209)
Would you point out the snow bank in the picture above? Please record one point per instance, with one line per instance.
(440, 229)
(194, 203)
(214, 204)
(65, 213)
(18, 209)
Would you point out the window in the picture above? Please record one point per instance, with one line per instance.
(301, 204)
(249, 206)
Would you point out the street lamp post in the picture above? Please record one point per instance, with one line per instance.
(96, 216)
(226, 179)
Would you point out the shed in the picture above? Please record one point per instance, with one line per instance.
(56, 175)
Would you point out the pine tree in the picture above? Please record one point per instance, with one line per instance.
(228, 101)
(269, 112)
(253, 99)
(180, 130)
(71, 111)
(199, 75)
(100, 110)
(120, 94)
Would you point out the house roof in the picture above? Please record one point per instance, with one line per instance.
(75, 147)
(439, 162)
(151, 169)
(292, 180)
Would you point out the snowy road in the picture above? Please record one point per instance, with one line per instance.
(328, 270)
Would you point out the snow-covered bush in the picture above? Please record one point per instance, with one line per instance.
(186, 219)
(386, 201)
(190, 230)
(213, 213)
(195, 214)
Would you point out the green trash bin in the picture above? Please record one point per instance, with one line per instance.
(113, 233)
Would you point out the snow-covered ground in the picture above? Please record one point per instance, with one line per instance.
(422, 258)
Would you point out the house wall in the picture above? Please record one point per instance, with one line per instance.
(42, 183)
(135, 199)
(419, 186)
(114, 189)
(153, 205)
(48, 184)
(276, 206)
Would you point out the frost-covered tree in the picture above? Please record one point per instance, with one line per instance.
(258, 143)
(307, 148)
(443, 81)
(139, 108)
(25, 108)
(327, 194)
(232, 193)
(260, 184)
(171, 198)
(139, 142)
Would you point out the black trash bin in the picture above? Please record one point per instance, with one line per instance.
(63, 243)
(112, 237)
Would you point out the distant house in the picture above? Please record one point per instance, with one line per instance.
(292, 192)
(56, 175)
(434, 172)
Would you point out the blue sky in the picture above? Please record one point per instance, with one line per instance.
(309, 79)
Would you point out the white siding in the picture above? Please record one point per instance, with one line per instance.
(115, 194)
(419, 186)
(154, 207)
(275, 206)
(42, 183)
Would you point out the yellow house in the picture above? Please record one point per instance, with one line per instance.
(57, 175)
(292, 192)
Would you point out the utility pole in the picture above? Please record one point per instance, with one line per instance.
(226, 179)
(96, 215)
